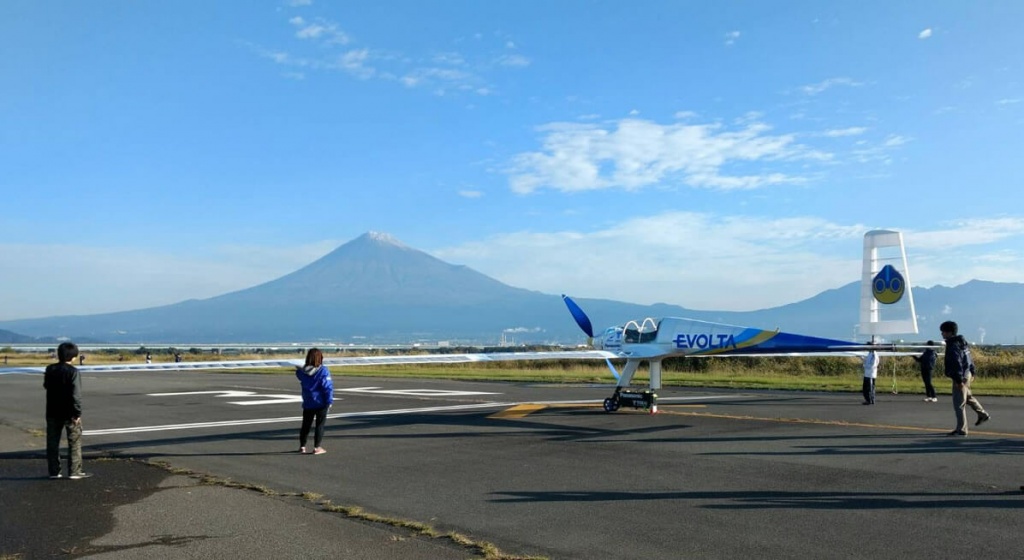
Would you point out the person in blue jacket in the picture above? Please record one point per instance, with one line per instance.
(317, 398)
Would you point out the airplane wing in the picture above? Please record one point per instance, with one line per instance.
(337, 362)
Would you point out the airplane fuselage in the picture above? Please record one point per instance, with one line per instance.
(677, 336)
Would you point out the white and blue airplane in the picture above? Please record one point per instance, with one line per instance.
(887, 307)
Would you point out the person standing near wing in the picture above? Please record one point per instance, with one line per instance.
(317, 398)
(927, 362)
(959, 367)
(870, 373)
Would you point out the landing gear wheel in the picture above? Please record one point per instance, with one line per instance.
(611, 405)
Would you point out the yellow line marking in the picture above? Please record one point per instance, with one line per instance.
(828, 423)
(522, 410)
(518, 411)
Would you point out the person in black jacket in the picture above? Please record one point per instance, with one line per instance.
(63, 387)
(927, 362)
(959, 367)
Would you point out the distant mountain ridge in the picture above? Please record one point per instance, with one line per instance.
(376, 289)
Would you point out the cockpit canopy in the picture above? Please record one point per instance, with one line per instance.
(646, 331)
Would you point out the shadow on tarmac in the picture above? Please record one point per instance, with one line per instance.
(788, 500)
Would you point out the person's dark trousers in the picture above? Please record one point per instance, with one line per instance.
(308, 415)
(868, 390)
(55, 428)
(929, 389)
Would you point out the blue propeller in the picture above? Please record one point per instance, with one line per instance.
(581, 318)
(584, 322)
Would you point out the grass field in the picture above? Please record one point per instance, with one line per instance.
(1000, 371)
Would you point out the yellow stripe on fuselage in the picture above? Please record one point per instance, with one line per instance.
(753, 341)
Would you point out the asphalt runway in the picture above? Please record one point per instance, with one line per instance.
(541, 470)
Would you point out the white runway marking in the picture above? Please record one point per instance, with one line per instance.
(413, 392)
(266, 398)
(195, 425)
(277, 398)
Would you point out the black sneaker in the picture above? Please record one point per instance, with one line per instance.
(957, 433)
(79, 476)
(57, 476)
(982, 419)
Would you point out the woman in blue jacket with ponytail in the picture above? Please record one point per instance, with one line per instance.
(317, 398)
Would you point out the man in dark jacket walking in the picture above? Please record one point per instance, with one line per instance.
(63, 386)
(959, 367)
(927, 362)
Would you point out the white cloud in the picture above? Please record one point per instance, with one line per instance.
(441, 73)
(325, 31)
(895, 140)
(354, 62)
(873, 151)
(925, 34)
(435, 77)
(851, 131)
(514, 60)
(815, 89)
(968, 233)
(739, 263)
(632, 154)
(449, 58)
(470, 194)
(1012, 101)
(730, 37)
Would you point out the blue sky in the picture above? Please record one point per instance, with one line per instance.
(706, 154)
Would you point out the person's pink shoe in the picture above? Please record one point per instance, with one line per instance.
(319, 451)
(302, 450)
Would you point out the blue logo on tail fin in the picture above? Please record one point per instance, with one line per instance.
(888, 285)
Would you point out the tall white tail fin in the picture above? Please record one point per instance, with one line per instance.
(886, 298)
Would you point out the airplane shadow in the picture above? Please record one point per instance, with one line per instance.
(914, 446)
(782, 499)
(475, 425)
